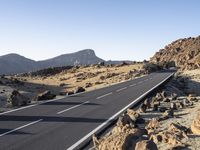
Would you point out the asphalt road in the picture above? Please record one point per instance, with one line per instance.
(65, 123)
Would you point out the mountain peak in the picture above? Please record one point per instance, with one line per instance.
(14, 63)
(87, 52)
(11, 55)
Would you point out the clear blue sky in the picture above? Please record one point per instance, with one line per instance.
(115, 29)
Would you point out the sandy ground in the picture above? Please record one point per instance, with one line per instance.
(185, 118)
(80, 77)
(90, 78)
(194, 84)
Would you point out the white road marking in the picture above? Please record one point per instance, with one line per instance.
(104, 95)
(132, 85)
(29, 106)
(121, 89)
(6, 112)
(140, 82)
(60, 112)
(47, 101)
(115, 115)
(39, 103)
(151, 78)
(20, 127)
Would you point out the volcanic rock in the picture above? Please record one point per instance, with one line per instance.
(46, 95)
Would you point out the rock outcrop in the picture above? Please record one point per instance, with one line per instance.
(121, 138)
(17, 99)
(185, 53)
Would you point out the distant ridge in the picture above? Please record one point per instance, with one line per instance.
(15, 63)
(83, 57)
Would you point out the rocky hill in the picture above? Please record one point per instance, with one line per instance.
(14, 63)
(83, 57)
(184, 52)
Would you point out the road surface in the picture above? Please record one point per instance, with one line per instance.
(66, 123)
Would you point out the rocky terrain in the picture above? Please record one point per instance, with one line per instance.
(184, 52)
(23, 89)
(168, 120)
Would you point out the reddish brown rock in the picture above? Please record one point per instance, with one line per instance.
(133, 114)
(195, 127)
(153, 123)
(183, 53)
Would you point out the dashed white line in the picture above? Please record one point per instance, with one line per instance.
(140, 82)
(121, 89)
(21, 108)
(60, 112)
(132, 85)
(115, 115)
(104, 95)
(20, 127)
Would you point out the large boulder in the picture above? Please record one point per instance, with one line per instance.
(46, 95)
(133, 114)
(17, 99)
(122, 138)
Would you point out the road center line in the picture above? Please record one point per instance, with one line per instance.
(116, 114)
(104, 95)
(121, 89)
(60, 112)
(20, 127)
(140, 82)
